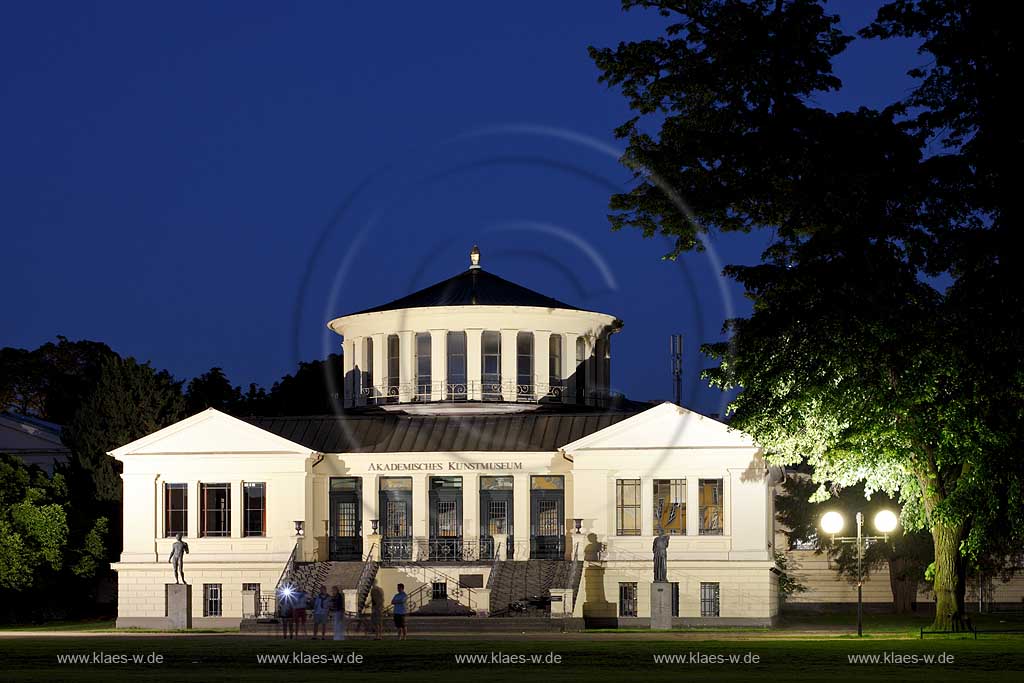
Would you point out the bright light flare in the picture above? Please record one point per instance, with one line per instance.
(886, 521)
(832, 522)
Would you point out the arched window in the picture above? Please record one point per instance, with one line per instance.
(456, 366)
(422, 350)
(490, 365)
(581, 370)
(555, 367)
(524, 366)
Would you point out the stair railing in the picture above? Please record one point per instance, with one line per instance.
(366, 575)
(574, 575)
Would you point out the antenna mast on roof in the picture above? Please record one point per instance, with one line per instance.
(676, 355)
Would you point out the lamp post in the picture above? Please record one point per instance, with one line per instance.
(832, 523)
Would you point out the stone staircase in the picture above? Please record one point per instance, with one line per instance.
(519, 581)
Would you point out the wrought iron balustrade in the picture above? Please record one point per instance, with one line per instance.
(414, 392)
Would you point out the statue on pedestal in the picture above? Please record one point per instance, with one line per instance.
(661, 555)
(177, 558)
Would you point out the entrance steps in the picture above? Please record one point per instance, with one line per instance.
(424, 625)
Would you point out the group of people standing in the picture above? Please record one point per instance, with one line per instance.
(294, 606)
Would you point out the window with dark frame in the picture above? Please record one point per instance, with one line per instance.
(457, 366)
(367, 372)
(627, 507)
(675, 598)
(627, 599)
(490, 365)
(555, 366)
(524, 366)
(439, 590)
(254, 506)
(215, 510)
(175, 510)
(709, 599)
(424, 380)
(394, 364)
(712, 519)
(581, 370)
(212, 600)
(670, 506)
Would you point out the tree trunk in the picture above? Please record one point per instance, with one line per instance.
(948, 567)
(904, 591)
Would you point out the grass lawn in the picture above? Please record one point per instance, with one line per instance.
(223, 658)
(89, 625)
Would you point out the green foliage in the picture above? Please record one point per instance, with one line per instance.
(33, 524)
(788, 584)
(130, 400)
(212, 390)
(94, 550)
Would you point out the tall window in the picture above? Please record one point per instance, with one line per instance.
(215, 511)
(709, 599)
(368, 369)
(524, 366)
(712, 519)
(581, 370)
(675, 598)
(490, 365)
(254, 505)
(423, 366)
(457, 366)
(394, 362)
(627, 507)
(555, 366)
(175, 509)
(670, 506)
(606, 358)
(627, 599)
(212, 599)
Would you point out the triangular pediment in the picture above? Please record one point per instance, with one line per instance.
(664, 426)
(210, 431)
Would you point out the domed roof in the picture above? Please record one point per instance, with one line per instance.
(472, 287)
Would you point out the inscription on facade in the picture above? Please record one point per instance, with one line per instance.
(442, 466)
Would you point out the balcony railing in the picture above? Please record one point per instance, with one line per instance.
(457, 549)
(414, 392)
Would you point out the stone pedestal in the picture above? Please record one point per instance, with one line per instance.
(351, 598)
(481, 599)
(179, 605)
(500, 546)
(661, 605)
(561, 603)
(373, 542)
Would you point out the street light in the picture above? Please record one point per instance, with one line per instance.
(832, 523)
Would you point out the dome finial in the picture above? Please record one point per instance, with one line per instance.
(474, 257)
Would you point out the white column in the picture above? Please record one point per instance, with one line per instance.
(380, 364)
(471, 506)
(420, 505)
(438, 364)
(193, 509)
(235, 501)
(521, 515)
(473, 364)
(348, 356)
(358, 377)
(647, 506)
(591, 373)
(406, 371)
(541, 354)
(692, 511)
(569, 367)
(508, 364)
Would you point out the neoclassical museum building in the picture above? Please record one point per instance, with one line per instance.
(480, 459)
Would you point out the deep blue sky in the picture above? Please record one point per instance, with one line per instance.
(171, 174)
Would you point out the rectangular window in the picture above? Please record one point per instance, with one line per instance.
(394, 363)
(670, 506)
(712, 519)
(439, 590)
(581, 370)
(367, 374)
(175, 509)
(555, 367)
(627, 507)
(254, 505)
(212, 599)
(627, 599)
(423, 378)
(709, 599)
(457, 366)
(215, 511)
(251, 587)
(524, 366)
(675, 598)
(490, 365)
